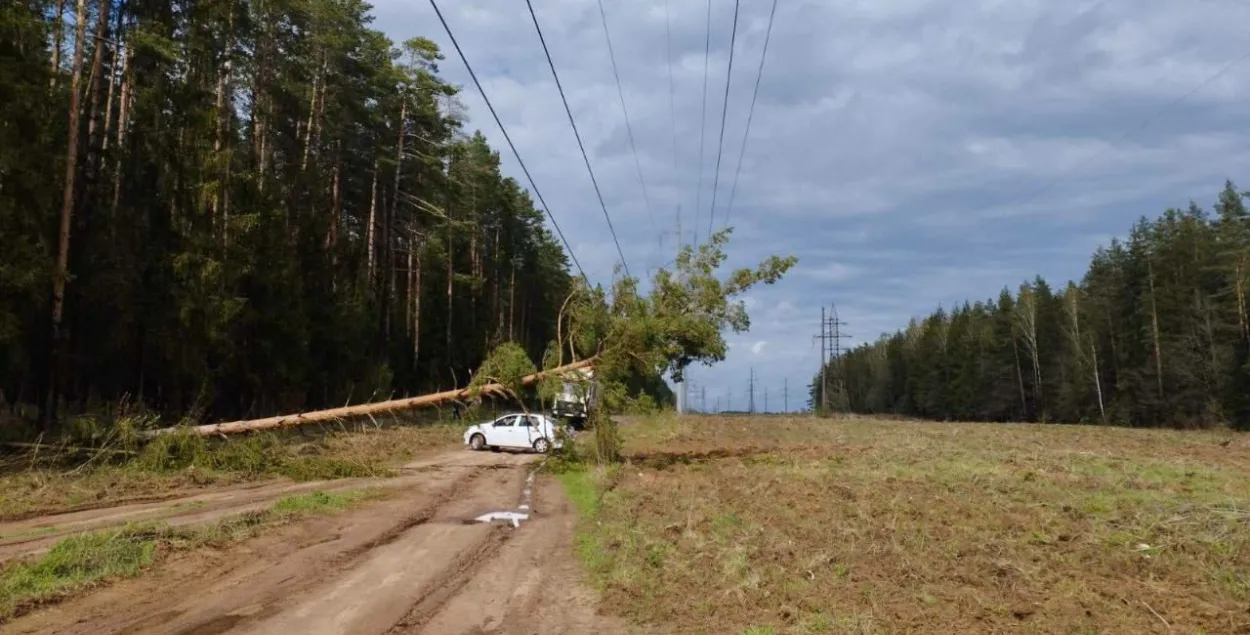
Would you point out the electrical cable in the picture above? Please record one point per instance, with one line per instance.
(698, 192)
(733, 38)
(515, 153)
(750, 114)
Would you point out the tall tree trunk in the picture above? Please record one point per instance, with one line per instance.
(58, 37)
(1102, 411)
(387, 253)
(123, 113)
(93, 110)
(451, 356)
(260, 98)
(112, 82)
(399, 158)
(512, 302)
(370, 231)
(410, 277)
(1239, 287)
(318, 86)
(336, 202)
(224, 108)
(416, 313)
(498, 304)
(67, 215)
(336, 212)
(1024, 403)
(1154, 329)
(385, 270)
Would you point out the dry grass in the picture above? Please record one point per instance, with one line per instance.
(773, 525)
(34, 484)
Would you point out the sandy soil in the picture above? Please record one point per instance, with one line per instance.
(32, 536)
(414, 563)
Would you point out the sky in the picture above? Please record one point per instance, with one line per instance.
(909, 153)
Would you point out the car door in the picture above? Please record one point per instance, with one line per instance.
(503, 432)
(530, 429)
(543, 427)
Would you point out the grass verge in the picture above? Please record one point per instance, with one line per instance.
(794, 526)
(85, 561)
(45, 480)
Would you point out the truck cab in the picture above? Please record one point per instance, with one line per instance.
(578, 396)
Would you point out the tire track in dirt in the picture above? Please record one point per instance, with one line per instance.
(233, 590)
(412, 565)
(532, 584)
(414, 568)
(36, 535)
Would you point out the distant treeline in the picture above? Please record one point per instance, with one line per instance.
(1157, 333)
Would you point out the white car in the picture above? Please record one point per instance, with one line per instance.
(527, 431)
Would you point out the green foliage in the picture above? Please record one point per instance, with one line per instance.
(605, 439)
(251, 455)
(1157, 333)
(508, 364)
(637, 338)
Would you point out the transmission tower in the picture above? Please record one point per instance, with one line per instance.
(830, 337)
(836, 336)
(751, 392)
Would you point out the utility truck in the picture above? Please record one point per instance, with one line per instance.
(577, 398)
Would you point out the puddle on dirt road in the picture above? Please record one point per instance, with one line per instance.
(514, 518)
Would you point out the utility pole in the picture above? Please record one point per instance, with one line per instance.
(830, 337)
(785, 395)
(751, 391)
(765, 399)
(836, 361)
(703, 398)
(824, 346)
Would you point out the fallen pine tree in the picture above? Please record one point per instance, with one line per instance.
(361, 410)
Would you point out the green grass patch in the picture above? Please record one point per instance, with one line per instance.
(582, 488)
(50, 478)
(74, 564)
(323, 502)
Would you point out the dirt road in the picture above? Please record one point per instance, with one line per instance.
(412, 563)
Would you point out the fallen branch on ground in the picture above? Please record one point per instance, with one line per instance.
(362, 410)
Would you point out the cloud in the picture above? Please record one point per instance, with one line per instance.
(910, 152)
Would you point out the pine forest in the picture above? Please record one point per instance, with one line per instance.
(1156, 334)
(232, 208)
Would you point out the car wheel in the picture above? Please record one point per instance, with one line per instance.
(477, 442)
(542, 445)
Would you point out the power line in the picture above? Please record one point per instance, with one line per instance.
(628, 128)
(672, 102)
(698, 192)
(517, 154)
(733, 38)
(768, 34)
(572, 123)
